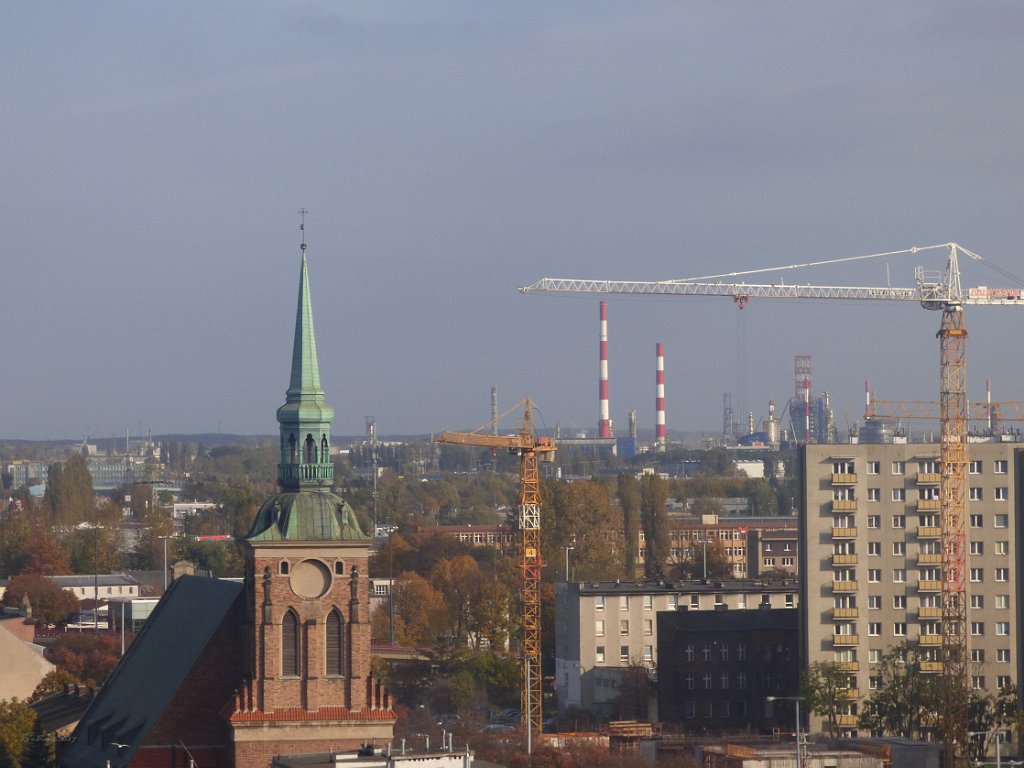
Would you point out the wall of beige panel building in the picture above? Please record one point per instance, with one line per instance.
(872, 560)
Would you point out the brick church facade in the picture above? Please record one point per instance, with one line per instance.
(231, 674)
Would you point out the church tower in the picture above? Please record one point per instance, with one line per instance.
(309, 686)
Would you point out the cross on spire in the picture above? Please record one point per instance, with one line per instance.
(302, 227)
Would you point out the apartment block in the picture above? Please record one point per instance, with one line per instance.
(872, 561)
(605, 630)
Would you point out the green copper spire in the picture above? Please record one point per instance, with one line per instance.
(305, 368)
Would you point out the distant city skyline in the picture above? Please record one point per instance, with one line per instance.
(156, 158)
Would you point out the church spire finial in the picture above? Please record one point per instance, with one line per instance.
(302, 228)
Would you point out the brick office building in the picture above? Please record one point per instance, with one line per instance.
(231, 674)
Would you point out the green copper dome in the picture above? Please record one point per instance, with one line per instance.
(306, 509)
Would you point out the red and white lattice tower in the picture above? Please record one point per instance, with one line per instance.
(661, 436)
(604, 424)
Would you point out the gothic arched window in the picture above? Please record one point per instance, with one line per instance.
(335, 644)
(290, 645)
(310, 457)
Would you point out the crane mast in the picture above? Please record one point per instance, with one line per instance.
(531, 450)
(935, 291)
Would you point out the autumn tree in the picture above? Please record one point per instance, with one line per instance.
(629, 503)
(43, 554)
(905, 699)
(39, 748)
(824, 686)
(69, 492)
(89, 658)
(653, 495)
(705, 558)
(458, 581)
(96, 545)
(50, 604)
(582, 515)
(16, 721)
(419, 610)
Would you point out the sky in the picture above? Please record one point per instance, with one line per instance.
(154, 157)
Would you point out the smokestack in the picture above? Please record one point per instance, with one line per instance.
(604, 424)
(661, 437)
(867, 400)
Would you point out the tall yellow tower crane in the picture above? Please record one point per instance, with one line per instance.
(530, 449)
(935, 291)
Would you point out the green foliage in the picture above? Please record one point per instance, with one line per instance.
(50, 603)
(823, 686)
(222, 559)
(653, 495)
(69, 492)
(53, 682)
(692, 566)
(629, 503)
(581, 514)
(905, 702)
(16, 722)
(39, 749)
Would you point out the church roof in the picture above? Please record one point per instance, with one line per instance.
(307, 515)
(150, 673)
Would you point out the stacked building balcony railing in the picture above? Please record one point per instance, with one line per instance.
(930, 640)
(844, 559)
(850, 693)
(844, 613)
(929, 478)
(848, 721)
(845, 639)
(844, 478)
(931, 666)
(844, 586)
(929, 586)
(844, 533)
(844, 505)
(929, 612)
(929, 532)
(848, 666)
(929, 558)
(929, 505)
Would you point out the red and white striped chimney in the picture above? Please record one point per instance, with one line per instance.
(661, 437)
(604, 424)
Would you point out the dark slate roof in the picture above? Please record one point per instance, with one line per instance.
(143, 683)
(62, 709)
(742, 620)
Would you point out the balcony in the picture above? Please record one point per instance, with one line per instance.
(929, 478)
(849, 693)
(844, 505)
(929, 505)
(930, 640)
(847, 721)
(929, 532)
(844, 586)
(844, 559)
(929, 586)
(844, 533)
(929, 612)
(848, 666)
(844, 478)
(929, 558)
(931, 666)
(845, 639)
(844, 613)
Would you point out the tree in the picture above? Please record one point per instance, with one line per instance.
(653, 495)
(419, 610)
(69, 492)
(988, 715)
(39, 749)
(718, 565)
(90, 658)
(16, 721)
(824, 686)
(50, 603)
(629, 502)
(53, 682)
(44, 555)
(458, 581)
(905, 700)
(581, 514)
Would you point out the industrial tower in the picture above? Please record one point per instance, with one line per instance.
(935, 291)
(530, 450)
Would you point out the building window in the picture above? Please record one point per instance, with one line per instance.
(874, 682)
(899, 575)
(723, 680)
(874, 656)
(974, 468)
(706, 653)
(623, 653)
(978, 682)
(1000, 466)
(874, 628)
(873, 467)
(1002, 601)
(741, 680)
(672, 602)
(977, 574)
(874, 521)
(1003, 655)
(977, 655)
(599, 602)
(624, 627)
(874, 602)
(1001, 521)
(290, 645)
(977, 548)
(899, 629)
(741, 652)
(977, 628)
(624, 603)
(1002, 494)
(648, 626)
(723, 652)
(691, 710)
(694, 602)
(899, 494)
(874, 548)
(899, 549)
(874, 575)
(689, 682)
(976, 521)
(1002, 548)
(899, 521)
(975, 494)
(790, 600)
(978, 602)
(899, 602)
(599, 654)
(899, 467)
(689, 653)
(787, 561)
(339, 568)
(1002, 628)
(1003, 681)
(648, 602)
(599, 628)
(1002, 574)
(335, 644)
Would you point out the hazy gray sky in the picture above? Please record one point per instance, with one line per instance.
(155, 155)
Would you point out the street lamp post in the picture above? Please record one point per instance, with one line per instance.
(567, 551)
(799, 746)
(165, 538)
